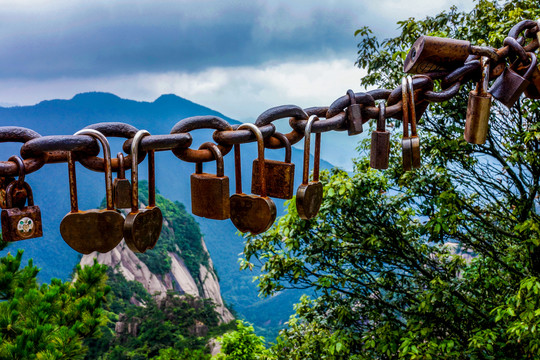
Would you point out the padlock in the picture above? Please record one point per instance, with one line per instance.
(476, 122)
(209, 192)
(121, 186)
(279, 175)
(410, 144)
(380, 142)
(92, 230)
(251, 213)
(142, 227)
(20, 223)
(354, 115)
(532, 91)
(510, 85)
(431, 54)
(309, 195)
(434, 54)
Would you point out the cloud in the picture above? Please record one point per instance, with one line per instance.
(74, 38)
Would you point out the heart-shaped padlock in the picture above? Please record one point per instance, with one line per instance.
(309, 195)
(251, 213)
(142, 226)
(92, 230)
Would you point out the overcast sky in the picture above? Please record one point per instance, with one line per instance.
(237, 57)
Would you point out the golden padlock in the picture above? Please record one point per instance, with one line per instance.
(478, 108)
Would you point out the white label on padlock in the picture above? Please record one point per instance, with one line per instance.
(25, 227)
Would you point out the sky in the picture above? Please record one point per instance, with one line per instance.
(237, 57)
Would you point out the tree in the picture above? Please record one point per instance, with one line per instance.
(48, 321)
(441, 262)
(241, 344)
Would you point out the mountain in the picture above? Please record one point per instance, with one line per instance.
(175, 281)
(50, 187)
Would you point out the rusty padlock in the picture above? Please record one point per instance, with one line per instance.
(309, 195)
(532, 91)
(510, 85)
(410, 144)
(436, 54)
(279, 175)
(92, 230)
(142, 227)
(251, 213)
(209, 192)
(20, 223)
(380, 142)
(121, 186)
(478, 108)
(354, 115)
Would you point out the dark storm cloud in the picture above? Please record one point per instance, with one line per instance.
(80, 39)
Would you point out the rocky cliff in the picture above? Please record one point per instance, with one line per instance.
(179, 279)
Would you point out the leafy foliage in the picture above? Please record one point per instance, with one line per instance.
(49, 321)
(442, 262)
(241, 344)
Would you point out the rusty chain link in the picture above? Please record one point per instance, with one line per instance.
(39, 150)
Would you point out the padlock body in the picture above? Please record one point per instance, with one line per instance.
(143, 228)
(92, 230)
(380, 149)
(430, 54)
(508, 87)
(411, 153)
(476, 122)
(21, 224)
(122, 193)
(251, 213)
(309, 198)
(354, 118)
(279, 177)
(533, 90)
(210, 196)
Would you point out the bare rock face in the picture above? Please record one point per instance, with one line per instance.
(122, 260)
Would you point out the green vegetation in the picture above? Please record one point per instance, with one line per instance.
(438, 263)
(49, 321)
(241, 344)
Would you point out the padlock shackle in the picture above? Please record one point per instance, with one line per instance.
(260, 151)
(352, 97)
(121, 168)
(317, 155)
(217, 154)
(135, 173)
(381, 120)
(20, 165)
(483, 83)
(287, 144)
(532, 66)
(412, 106)
(405, 106)
(9, 193)
(106, 164)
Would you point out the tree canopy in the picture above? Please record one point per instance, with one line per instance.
(441, 262)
